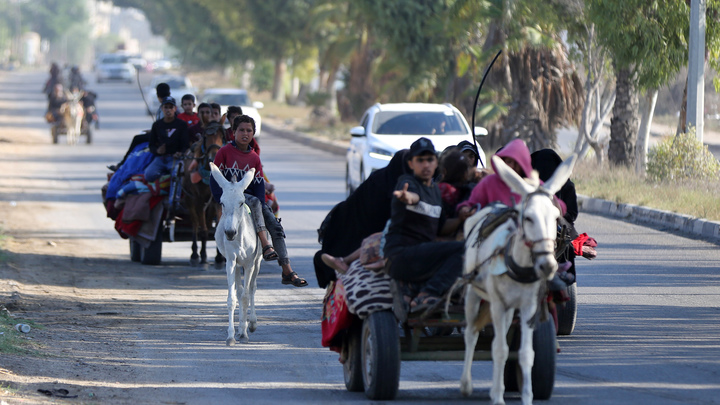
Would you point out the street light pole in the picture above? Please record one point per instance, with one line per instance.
(696, 67)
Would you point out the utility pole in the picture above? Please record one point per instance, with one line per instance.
(696, 67)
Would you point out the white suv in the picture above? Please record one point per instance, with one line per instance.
(387, 128)
(114, 66)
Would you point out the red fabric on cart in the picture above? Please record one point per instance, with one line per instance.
(131, 229)
(336, 317)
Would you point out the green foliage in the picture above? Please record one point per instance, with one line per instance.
(317, 98)
(12, 341)
(52, 19)
(682, 157)
(651, 37)
(262, 75)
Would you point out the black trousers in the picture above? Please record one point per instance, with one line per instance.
(438, 264)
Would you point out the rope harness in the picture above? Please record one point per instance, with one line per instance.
(520, 274)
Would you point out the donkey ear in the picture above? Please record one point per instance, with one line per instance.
(221, 180)
(512, 179)
(247, 179)
(561, 175)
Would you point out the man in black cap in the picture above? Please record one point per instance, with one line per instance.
(168, 140)
(416, 220)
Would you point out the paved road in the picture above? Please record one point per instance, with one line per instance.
(648, 322)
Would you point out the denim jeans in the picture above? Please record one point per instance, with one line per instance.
(161, 164)
(438, 264)
(256, 212)
(277, 234)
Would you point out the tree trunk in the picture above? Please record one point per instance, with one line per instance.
(681, 128)
(360, 92)
(331, 90)
(644, 133)
(545, 97)
(624, 123)
(278, 90)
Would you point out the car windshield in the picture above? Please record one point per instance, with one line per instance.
(115, 59)
(418, 123)
(227, 99)
(175, 83)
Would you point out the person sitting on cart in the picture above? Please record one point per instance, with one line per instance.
(493, 189)
(416, 220)
(232, 112)
(187, 102)
(56, 99)
(168, 141)
(234, 160)
(195, 132)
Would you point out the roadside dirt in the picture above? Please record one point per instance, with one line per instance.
(80, 343)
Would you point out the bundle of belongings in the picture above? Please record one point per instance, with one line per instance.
(134, 204)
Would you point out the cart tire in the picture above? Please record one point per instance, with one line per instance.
(567, 315)
(153, 253)
(380, 356)
(135, 251)
(352, 368)
(543, 371)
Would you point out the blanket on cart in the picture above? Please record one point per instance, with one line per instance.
(135, 163)
(366, 291)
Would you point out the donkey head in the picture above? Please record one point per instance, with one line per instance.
(538, 215)
(232, 200)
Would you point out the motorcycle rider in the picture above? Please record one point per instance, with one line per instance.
(76, 79)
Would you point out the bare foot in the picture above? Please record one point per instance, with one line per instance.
(335, 263)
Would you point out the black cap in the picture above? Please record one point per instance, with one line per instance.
(169, 100)
(466, 145)
(419, 147)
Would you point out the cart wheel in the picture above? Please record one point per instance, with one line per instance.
(352, 368)
(381, 356)
(543, 371)
(153, 253)
(567, 315)
(135, 251)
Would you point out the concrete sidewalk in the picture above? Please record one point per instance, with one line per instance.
(663, 220)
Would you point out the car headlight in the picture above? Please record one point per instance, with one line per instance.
(379, 153)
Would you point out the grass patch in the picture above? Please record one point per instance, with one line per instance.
(12, 341)
(621, 185)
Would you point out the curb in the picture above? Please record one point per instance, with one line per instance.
(666, 220)
(337, 148)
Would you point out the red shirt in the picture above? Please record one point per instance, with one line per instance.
(190, 119)
(231, 162)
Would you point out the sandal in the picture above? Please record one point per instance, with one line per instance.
(422, 303)
(269, 256)
(294, 279)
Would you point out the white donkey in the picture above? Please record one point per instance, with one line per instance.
(237, 241)
(522, 251)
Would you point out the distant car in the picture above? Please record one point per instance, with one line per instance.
(114, 66)
(179, 86)
(161, 66)
(138, 62)
(387, 128)
(239, 97)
